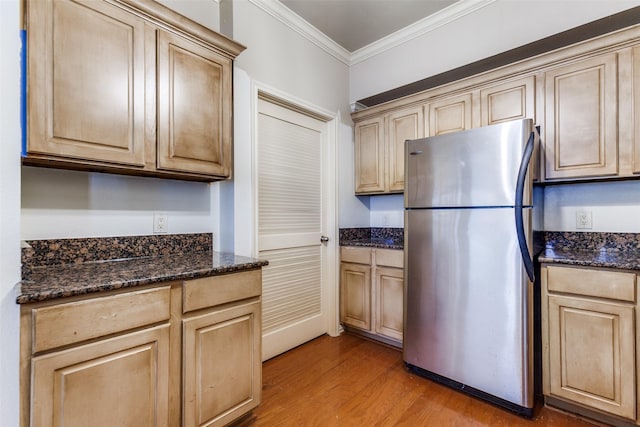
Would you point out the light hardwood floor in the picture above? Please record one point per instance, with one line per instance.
(349, 381)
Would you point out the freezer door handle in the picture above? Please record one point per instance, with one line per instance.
(522, 173)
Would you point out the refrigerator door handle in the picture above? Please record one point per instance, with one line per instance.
(522, 173)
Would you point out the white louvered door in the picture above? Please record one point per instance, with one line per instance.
(291, 220)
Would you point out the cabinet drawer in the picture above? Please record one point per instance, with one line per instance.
(216, 290)
(390, 258)
(355, 255)
(595, 283)
(73, 322)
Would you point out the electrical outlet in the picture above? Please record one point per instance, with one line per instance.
(584, 220)
(160, 222)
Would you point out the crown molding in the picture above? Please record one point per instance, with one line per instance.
(298, 24)
(304, 28)
(419, 28)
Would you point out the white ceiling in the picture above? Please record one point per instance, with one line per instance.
(354, 24)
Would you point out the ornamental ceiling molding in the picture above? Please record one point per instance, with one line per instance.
(432, 22)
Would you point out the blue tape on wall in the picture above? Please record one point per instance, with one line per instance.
(23, 90)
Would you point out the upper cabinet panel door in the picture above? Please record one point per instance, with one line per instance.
(581, 119)
(636, 111)
(508, 101)
(369, 156)
(86, 82)
(403, 125)
(194, 108)
(449, 115)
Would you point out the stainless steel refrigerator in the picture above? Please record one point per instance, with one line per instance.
(468, 267)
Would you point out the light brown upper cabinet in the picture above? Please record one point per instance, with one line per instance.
(193, 139)
(86, 82)
(511, 100)
(379, 150)
(402, 125)
(636, 111)
(581, 118)
(369, 156)
(450, 114)
(583, 96)
(128, 87)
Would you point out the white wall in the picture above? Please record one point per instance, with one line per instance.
(614, 206)
(204, 12)
(500, 26)
(280, 58)
(9, 210)
(353, 211)
(69, 204)
(387, 211)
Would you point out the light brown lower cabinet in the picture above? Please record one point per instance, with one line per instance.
(175, 354)
(589, 338)
(117, 381)
(372, 292)
(222, 365)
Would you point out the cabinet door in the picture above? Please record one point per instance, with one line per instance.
(121, 381)
(636, 111)
(369, 156)
(581, 104)
(451, 114)
(592, 353)
(508, 101)
(194, 108)
(222, 365)
(403, 125)
(86, 82)
(355, 295)
(390, 302)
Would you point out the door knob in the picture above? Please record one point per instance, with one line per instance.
(324, 239)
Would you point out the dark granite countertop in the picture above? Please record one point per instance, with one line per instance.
(372, 237)
(592, 258)
(58, 281)
(606, 250)
(374, 243)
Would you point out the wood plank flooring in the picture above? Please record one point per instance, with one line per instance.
(349, 381)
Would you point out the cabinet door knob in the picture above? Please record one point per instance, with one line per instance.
(324, 239)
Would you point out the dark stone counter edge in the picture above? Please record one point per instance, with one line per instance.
(45, 295)
(630, 264)
(371, 244)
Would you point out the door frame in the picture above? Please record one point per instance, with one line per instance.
(330, 273)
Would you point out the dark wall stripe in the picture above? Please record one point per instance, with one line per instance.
(592, 29)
